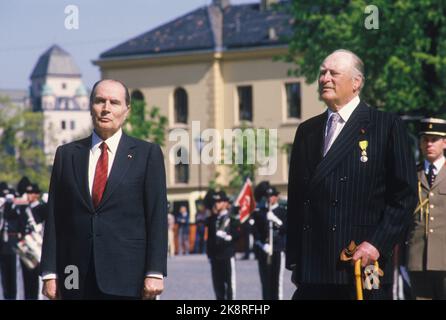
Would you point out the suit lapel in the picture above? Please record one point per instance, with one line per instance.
(440, 177)
(315, 142)
(80, 167)
(121, 164)
(347, 139)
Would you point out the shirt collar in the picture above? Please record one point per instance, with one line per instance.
(112, 142)
(438, 164)
(274, 206)
(346, 111)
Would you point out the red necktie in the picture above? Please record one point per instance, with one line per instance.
(100, 175)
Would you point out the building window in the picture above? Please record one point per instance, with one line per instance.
(137, 95)
(182, 168)
(293, 97)
(72, 125)
(180, 105)
(245, 103)
(138, 104)
(63, 125)
(64, 85)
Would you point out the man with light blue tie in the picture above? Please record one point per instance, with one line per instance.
(352, 178)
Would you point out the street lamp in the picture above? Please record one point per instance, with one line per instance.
(199, 143)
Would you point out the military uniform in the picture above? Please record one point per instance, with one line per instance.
(38, 211)
(271, 267)
(9, 225)
(427, 239)
(222, 233)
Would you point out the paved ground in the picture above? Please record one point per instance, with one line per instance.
(189, 278)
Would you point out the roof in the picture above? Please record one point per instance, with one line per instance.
(55, 62)
(213, 29)
(14, 95)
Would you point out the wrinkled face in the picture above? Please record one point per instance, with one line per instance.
(432, 147)
(109, 109)
(337, 86)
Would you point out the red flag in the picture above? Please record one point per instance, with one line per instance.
(245, 201)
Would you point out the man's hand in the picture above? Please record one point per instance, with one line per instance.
(152, 288)
(50, 289)
(222, 234)
(368, 253)
(272, 217)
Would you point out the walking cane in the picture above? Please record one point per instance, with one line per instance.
(358, 280)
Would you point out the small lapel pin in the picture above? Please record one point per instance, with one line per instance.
(129, 156)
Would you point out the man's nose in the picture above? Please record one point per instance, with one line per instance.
(326, 77)
(106, 106)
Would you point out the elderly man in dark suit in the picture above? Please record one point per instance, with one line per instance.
(352, 177)
(106, 232)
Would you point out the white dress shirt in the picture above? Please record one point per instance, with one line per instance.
(345, 112)
(95, 153)
(438, 164)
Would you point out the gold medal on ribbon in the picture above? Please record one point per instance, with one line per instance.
(363, 144)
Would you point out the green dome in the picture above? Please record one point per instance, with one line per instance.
(81, 91)
(46, 90)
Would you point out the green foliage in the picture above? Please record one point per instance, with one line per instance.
(151, 128)
(245, 146)
(405, 58)
(21, 146)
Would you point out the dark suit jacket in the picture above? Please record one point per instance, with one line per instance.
(337, 198)
(216, 247)
(126, 235)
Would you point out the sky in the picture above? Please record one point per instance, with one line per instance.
(29, 27)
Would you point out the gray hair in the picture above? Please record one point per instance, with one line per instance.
(357, 65)
(126, 89)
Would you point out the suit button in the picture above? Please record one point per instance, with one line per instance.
(334, 203)
(431, 194)
(431, 206)
(432, 218)
(431, 230)
(307, 202)
(343, 179)
(306, 227)
(333, 228)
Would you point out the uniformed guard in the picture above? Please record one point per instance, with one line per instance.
(32, 216)
(9, 225)
(269, 235)
(427, 240)
(222, 233)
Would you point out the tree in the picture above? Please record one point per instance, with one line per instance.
(248, 150)
(21, 146)
(152, 128)
(405, 58)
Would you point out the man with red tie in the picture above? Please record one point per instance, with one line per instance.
(106, 232)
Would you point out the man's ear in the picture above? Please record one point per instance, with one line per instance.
(356, 83)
